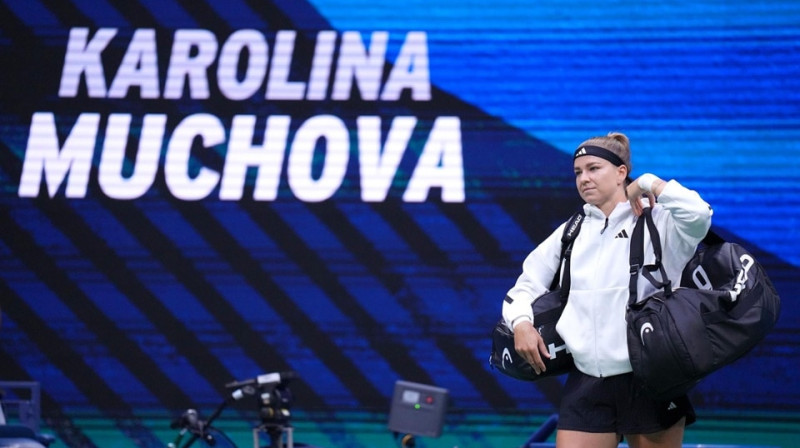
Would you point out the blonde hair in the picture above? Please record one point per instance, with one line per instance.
(616, 142)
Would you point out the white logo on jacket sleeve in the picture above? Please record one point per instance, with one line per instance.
(647, 327)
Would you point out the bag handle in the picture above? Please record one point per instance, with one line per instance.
(636, 258)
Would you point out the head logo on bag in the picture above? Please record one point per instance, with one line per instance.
(507, 357)
(699, 277)
(741, 279)
(647, 327)
(553, 349)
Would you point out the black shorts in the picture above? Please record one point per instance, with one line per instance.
(616, 404)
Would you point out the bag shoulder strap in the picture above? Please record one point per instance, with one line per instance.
(712, 238)
(571, 231)
(636, 258)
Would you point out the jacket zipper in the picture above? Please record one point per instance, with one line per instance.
(594, 312)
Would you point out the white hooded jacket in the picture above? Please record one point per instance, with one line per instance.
(593, 323)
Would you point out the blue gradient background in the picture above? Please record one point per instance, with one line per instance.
(128, 312)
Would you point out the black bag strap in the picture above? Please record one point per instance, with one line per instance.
(571, 230)
(712, 238)
(636, 257)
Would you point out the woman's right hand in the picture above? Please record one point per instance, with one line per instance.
(530, 345)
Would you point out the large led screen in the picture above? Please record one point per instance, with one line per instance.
(195, 193)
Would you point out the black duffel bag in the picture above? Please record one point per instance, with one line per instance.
(547, 310)
(725, 306)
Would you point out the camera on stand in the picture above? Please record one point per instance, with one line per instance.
(274, 411)
(274, 408)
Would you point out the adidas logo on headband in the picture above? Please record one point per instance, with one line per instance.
(597, 151)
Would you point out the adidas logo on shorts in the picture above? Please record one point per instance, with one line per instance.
(672, 406)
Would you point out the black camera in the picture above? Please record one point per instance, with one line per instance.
(274, 396)
(275, 403)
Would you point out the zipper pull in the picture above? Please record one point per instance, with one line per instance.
(604, 227)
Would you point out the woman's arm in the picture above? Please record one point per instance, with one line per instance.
(538, 270)
(690, 214)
